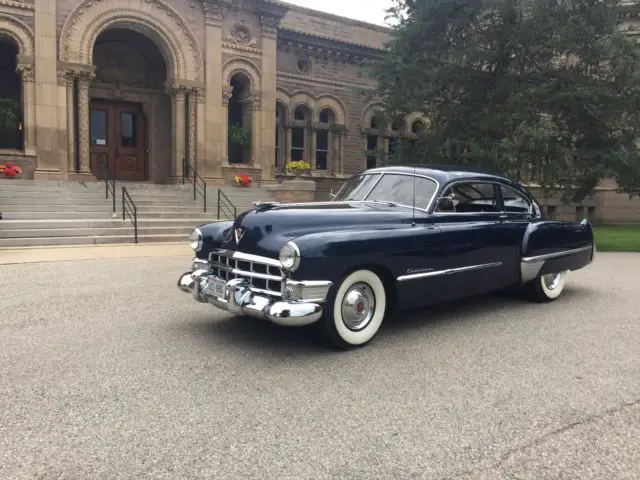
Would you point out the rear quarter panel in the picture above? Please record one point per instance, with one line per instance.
(544, 237)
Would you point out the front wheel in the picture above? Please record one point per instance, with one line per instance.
(547, 288)
(356, 310)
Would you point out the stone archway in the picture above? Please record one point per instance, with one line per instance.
(19, 44)
(184, 80)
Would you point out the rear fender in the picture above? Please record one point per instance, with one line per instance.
(551, 246)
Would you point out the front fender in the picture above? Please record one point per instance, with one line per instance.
(213, 234)
(328, 255)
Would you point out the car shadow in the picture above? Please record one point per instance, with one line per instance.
(251, 334)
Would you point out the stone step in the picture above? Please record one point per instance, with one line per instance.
(89, 240)
(126, 228)
(70, 224)
(89, 215)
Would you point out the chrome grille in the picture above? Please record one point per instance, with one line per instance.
(264, 274)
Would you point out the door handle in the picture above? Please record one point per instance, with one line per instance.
(503, 217)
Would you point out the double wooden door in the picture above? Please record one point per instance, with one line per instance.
(117, 136)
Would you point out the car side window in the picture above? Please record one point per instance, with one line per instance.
(469, 197)
(515, 202)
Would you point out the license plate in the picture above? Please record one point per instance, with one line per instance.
(216, 286)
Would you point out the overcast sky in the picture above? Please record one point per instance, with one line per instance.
(372, 11)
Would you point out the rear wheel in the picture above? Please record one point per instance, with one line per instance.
(355, 311)
(547, 288)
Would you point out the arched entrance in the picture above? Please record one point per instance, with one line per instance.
(239, 119)
(130, 112)
(119, 50)
(11, 117)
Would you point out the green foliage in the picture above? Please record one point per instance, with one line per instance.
(534, 89)
(238, 135)
(9, 113)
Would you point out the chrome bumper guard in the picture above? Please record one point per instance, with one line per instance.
(240, 299)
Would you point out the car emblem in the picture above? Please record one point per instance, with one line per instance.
(239, 232)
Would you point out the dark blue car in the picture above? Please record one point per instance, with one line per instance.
(391, 238)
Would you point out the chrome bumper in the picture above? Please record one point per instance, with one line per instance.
(239, 299)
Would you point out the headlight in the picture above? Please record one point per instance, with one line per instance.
(195, 239)
(289, 256)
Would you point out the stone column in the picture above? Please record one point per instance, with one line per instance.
(46, 92)
(177, 130)
(313, 146)
(257, 151)
(288, 135)
(214, 132)
(63, 131)
(84, 79)
(270, 21)
(27, 75)
(227, 91)
(336, 150)
(200, 131)
(71, 126)
(191, 128)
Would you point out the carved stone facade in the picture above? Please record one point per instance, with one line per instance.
(148, 86)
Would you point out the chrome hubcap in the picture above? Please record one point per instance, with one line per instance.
(358, 306)
(551, 280)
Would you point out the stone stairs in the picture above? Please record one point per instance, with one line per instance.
(48, 213)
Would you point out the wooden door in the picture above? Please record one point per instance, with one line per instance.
(118, 139)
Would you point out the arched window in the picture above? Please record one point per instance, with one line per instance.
(301, 134)
(10, 97)
(374, 142)
(327, 119)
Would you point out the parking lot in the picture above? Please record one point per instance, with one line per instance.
(107, 370)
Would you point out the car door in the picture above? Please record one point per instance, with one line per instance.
(471, 259)
(517, 213)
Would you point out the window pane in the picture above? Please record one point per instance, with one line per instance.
(514, 201)
(372, 142)
(371, 161)
(356, 187)
(399, 189)
(128, 122)
(321, 160)
(276, 157)
(322, 140)
(98, 127)
(471, 197)
(297, 154)
(297, 137)
(277, 136)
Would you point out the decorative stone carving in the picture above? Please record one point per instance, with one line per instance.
(27, 72)
(270, 25)
(200, 94)
(191, 127)
(227, 92)
(91, 16)
(84, 78)
(240, 33)
(304, 65)
(213, 12)
(20, 32)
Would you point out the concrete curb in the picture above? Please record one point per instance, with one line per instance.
(14, 255)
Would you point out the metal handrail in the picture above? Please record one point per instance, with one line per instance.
(225, 205)
(109, 180)
(129, 209)
(197, 181)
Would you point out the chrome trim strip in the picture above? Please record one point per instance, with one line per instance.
(548, 256)
(448, 271)
(247, 257)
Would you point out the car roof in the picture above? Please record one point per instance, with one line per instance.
(442, 173)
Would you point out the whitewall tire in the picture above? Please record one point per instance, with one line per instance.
(354, 313)
(547, 288)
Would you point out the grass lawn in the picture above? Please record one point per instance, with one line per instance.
(617, 238)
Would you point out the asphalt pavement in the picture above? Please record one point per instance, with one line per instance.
(108, 371)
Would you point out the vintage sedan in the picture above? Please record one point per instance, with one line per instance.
(391, 238)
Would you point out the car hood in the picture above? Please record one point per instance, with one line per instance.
(264, 230)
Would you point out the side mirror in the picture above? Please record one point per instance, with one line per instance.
(445, 204)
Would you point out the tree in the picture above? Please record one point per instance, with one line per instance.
(548, 89)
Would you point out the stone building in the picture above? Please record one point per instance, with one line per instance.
(138, 86)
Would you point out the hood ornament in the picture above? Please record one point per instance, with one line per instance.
(239, 233)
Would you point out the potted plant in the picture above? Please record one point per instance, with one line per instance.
(242, 180)
(298, 168)
(9, 113)
(10, 170)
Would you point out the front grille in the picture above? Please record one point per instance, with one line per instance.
(264, 274)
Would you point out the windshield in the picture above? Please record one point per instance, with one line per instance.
(395, 188)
